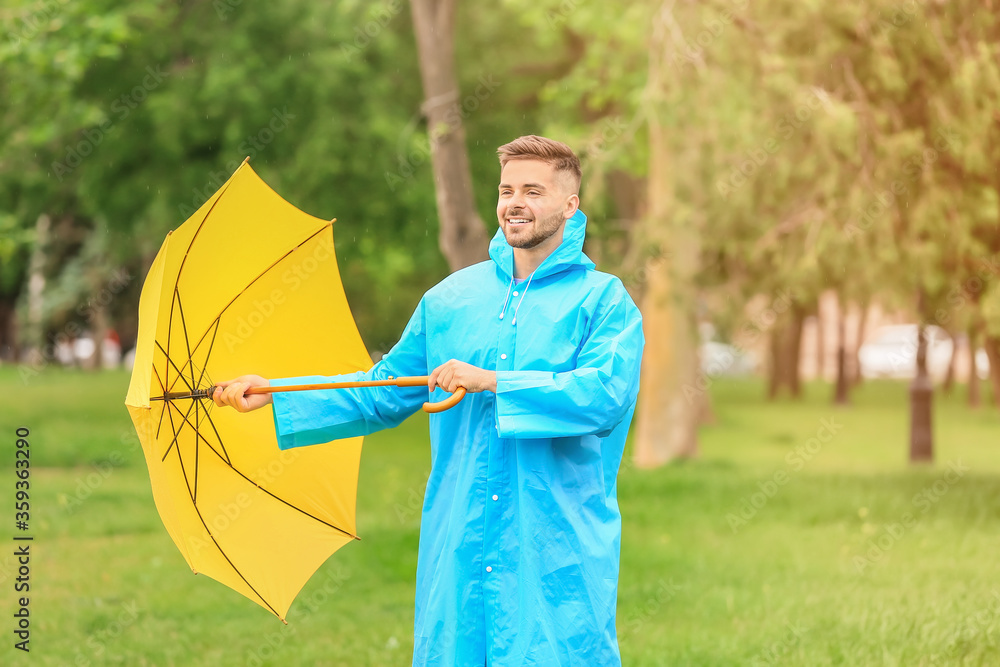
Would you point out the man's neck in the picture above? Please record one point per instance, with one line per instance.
(527, 260)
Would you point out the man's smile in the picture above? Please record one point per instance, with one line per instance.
(514, 222)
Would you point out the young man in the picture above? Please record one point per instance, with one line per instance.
(520, 532)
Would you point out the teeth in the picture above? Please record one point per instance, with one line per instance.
(518, 220)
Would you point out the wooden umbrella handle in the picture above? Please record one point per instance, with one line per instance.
(449, 402)
(413, 381)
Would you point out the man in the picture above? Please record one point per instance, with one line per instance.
(520, 532)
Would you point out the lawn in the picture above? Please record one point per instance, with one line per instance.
(800, 536)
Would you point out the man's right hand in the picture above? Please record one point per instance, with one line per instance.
(231, 393)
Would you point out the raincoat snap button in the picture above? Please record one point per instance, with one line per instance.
(503, 356)
(496, 497)
(489, 568)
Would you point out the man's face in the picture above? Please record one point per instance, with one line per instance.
(534, 203)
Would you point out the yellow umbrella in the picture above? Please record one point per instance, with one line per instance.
(249, 283)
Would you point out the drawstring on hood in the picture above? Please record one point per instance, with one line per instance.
(506, 299)
(514, 321)
(568, 255)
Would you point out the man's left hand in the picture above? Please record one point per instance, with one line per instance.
(454, 374)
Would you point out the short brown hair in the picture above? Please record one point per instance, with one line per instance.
(532, 147)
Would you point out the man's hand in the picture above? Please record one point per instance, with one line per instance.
(454, 374)
(233, 396)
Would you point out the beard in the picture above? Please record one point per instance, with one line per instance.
(540, 231)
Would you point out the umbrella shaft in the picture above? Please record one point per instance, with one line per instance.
(415, 381)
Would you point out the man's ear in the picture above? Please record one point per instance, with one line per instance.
(572, 204)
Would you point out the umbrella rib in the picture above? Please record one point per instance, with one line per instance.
(261, 275)
(171, 362)
(197, 449)
(180, 269)
(194, 503)
(159, 423)
(231, 564)
(225, 452)
(180, 459)
(237, 471)
(187, 343)
(177, 433)
(211, 344)
(194, 427)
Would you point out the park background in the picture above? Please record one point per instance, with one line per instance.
(772, 180)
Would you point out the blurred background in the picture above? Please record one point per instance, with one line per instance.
(802, 197)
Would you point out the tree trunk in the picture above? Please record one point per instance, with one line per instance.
(794, 351)
(992, 346)
(786, 344)
(859, 340)
(974, 398)
(34, 335)
(921, 404)
(949, 378)
(820, 342)
(8, 329)
(672, 388)
(462, 235)
(840, 395)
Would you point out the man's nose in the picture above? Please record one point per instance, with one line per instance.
(516, 200)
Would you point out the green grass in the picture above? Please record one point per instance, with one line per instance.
(798, 583)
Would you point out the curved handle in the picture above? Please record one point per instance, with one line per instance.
(449, 402)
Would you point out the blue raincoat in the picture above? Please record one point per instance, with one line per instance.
(520, 533)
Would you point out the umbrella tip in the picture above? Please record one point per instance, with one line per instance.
(283, 621)
(246, 159)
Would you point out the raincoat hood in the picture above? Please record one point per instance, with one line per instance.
(569, 254)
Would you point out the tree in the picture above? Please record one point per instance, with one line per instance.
(462, 235)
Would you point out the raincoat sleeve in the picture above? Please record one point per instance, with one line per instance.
(313, 417)
(594, 397)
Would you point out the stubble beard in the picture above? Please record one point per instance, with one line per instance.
(543, 229)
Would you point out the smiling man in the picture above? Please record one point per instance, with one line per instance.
(520, 531)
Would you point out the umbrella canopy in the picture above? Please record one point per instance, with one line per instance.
(249, 283)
